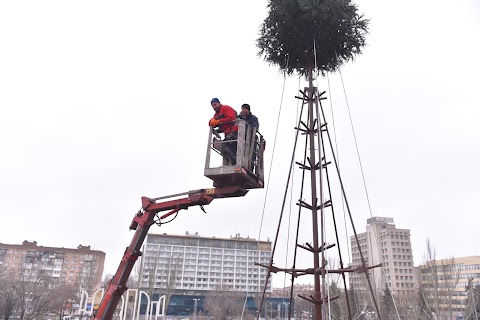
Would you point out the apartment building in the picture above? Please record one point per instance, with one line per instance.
(82, 266)
(383, 243)
(444, 282)
(191, 264)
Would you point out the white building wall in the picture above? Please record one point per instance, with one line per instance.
(383, 243)
(204, 268)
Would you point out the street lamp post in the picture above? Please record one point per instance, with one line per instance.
(271, 308)
(285, 304)
(195, 308)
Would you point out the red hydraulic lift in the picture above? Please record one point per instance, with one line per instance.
(142, 221)
(230, 181)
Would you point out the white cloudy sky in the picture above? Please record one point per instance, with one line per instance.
(103, 102)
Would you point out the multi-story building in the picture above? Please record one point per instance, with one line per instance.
(383, 243)
(444, 282)
(191, 264)
(82, 267)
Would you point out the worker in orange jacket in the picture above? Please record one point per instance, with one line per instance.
(225, 119)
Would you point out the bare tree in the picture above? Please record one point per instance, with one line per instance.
(133, 281)
(169, 276)
(439, 281)
(106, 278)
(409, 305)
(360, 302)
(224, 304)
(150, 270)
(61, 296)
(472, 306)
(8, 297)
(33, 290)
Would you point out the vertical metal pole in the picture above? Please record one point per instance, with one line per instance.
(209, 149)
(322, 217)
(313, 180)
(195, 309)
(241, 138)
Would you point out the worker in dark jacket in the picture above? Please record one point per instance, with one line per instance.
(224, 118)
(252, 122)
(246, 115)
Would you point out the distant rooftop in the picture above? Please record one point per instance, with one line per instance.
(33, 245)
(236, 237)
(380, 220)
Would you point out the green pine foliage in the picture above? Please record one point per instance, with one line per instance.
(425, 309)
(335, 309)
(293, 26)
(387, 306)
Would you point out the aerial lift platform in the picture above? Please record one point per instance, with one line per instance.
(248, 170)
(228, 180)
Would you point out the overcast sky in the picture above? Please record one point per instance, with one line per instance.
(103, 102)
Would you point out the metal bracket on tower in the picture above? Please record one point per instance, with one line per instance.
(309, 247)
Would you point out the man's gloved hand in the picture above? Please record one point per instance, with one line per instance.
(214, 122)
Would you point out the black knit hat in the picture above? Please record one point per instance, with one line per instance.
(246, 106)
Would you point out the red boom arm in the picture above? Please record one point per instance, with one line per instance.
(141, 223)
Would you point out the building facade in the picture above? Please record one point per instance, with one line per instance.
(444, 282)
(191, 264)
(82, 266)
(384, 244)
